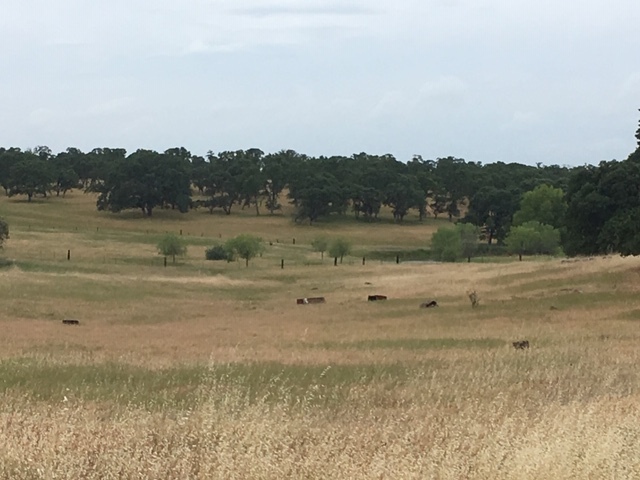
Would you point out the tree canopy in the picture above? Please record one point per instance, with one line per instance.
(544, 204)
(245, 246)
(533, 238)
(603, 212)
(172, 246)
(339, 247)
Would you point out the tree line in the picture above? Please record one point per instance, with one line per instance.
(594, 209)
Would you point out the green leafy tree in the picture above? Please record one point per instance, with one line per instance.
(339, 247)
(29, 176)
(275, 170)
(446, 244)
(468, 239)
(638, 134)
(403, 193)
(4, 232)
(533, 238)
(223, 181)
(544, 204)
(603, 202)
(491, 210)
(320, 244)
(8, 158)
(367, 178)
(172, 246)
(245, 246)
(145, 180)
(450, 244)
(315, 195)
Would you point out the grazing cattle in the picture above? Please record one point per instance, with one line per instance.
(521, 345)
(308, 300)
(374, 298)
(429, 304)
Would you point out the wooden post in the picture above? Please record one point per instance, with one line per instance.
(68, 254)
(397, 258)
(294, 241)
(180, 232)
(165, 262)
(335, 261)
(282, 264)
(364, 260)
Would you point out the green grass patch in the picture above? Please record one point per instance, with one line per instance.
(415, 344)
(6, 263)
(120, 383)
(182, 386)
(406, 255)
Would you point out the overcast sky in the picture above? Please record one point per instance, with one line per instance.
(556, 82)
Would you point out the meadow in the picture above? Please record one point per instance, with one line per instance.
(211, 370)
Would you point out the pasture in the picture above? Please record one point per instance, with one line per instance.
(211, 370)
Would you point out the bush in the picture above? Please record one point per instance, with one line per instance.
(4, 231)
(218, 252)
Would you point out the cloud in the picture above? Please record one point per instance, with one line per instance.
(443, 87)
(521, 120)
(201, 46)
(390, 104)
(41, 117)
(631, 86)
(309, 8)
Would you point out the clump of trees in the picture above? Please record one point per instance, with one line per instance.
(595, 209)
(603, 212)
(172, 246)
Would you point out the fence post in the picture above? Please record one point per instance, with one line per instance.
(364, 260)
(165, 262)
(68, 254)
(397, 258)
(282, 264)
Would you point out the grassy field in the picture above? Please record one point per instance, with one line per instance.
(210, 370)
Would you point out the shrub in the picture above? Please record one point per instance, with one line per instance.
(4, 231)
(218, 252)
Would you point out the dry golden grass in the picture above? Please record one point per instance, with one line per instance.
(207, 370)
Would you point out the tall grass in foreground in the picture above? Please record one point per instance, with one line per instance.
(506, 415)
